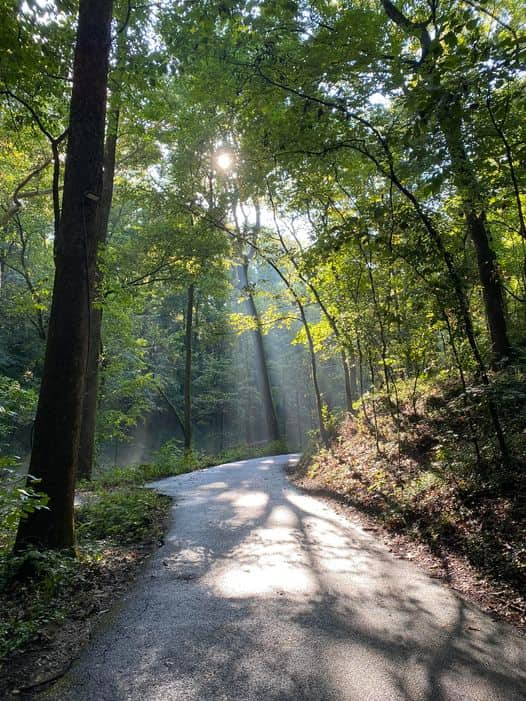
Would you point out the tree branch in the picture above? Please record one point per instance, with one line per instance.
(15, 205)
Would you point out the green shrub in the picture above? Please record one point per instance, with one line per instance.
(17, 407)
(37, 588)
(122, 516)
(168, 457)
(18, 499)
(244, 452)
(114, 476)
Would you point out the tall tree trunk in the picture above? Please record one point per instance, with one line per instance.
(2, 271)
(246, 404)
(353, 375)
(345, 363)
(330, 318)
(310, 342)
(263, 377)
(335, 329)
(91, 389)
(491, 282)
(188, 369)
(54, 457)
(90, 398)
(221, 427)
(347, 381)
(319, 400)
(313, 363)
(449, 117)
(298, 419)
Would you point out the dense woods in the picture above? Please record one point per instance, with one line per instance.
(230, 223)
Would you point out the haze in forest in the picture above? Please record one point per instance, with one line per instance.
(234, 227)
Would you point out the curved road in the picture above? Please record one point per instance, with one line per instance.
(262, 593)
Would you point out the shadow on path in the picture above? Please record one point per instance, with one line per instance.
(261, 592)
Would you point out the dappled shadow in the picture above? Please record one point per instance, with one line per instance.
(261, 592)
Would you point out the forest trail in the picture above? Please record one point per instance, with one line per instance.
(263, 593)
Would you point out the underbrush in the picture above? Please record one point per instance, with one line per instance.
(38, 590)
(432, 468)
(128, 515)
(171, 460)
(35, 592)
(19, 497)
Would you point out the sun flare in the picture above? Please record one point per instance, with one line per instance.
(224, 160)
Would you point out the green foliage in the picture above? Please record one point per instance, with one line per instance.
(169, 455)
(17, 406)
(171, 460)
(40, 588)
(246, 452)
(19, 497)
(122, 516)
(331, 420)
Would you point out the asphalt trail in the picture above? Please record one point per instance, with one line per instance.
(262, 593)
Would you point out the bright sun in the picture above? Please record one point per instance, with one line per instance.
(224, 160)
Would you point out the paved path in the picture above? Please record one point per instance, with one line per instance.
(262, 593)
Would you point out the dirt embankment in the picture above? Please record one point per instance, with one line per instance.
(467, 532)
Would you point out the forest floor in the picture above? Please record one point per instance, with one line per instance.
(418, 491)
(54, 615)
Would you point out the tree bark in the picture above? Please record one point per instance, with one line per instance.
(261, 360)
(54, 457)
(347, 381)
(90, 398)
(188, 369)
(450, 119)
(91, 391)
(491, 283)
(2, 271)
(324, 435)
(312, 353)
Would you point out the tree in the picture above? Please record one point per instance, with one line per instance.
(188, 337)
(91, 385)
(444, 97)
(54, 457)
(386, 140)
